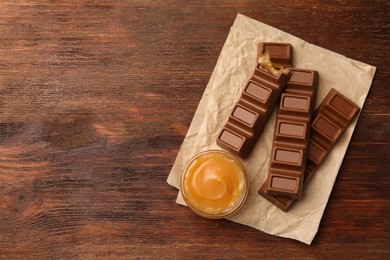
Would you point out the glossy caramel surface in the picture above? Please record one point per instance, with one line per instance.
(213, 183)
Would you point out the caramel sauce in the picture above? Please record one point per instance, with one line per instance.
(214, 183)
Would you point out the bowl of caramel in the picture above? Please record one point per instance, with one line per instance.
(214, 184)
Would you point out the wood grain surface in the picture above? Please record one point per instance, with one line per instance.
(97, 96)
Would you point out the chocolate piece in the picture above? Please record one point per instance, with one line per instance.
(331, 119)
(280, 53)
(291, 137)
(257, 100)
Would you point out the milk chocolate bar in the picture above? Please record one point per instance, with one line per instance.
(280, 53)
(292, 133)
(251, 112)
(330, 120)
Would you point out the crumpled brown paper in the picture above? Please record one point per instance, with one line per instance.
(234, 67)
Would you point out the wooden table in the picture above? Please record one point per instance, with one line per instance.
(97, 96)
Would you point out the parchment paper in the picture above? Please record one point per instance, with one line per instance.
(234, 67)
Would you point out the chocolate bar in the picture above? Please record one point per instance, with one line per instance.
(251, 112)
(330, 120)
(292, 133)
(280, 53)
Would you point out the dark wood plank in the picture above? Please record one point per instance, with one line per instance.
(97, 96)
